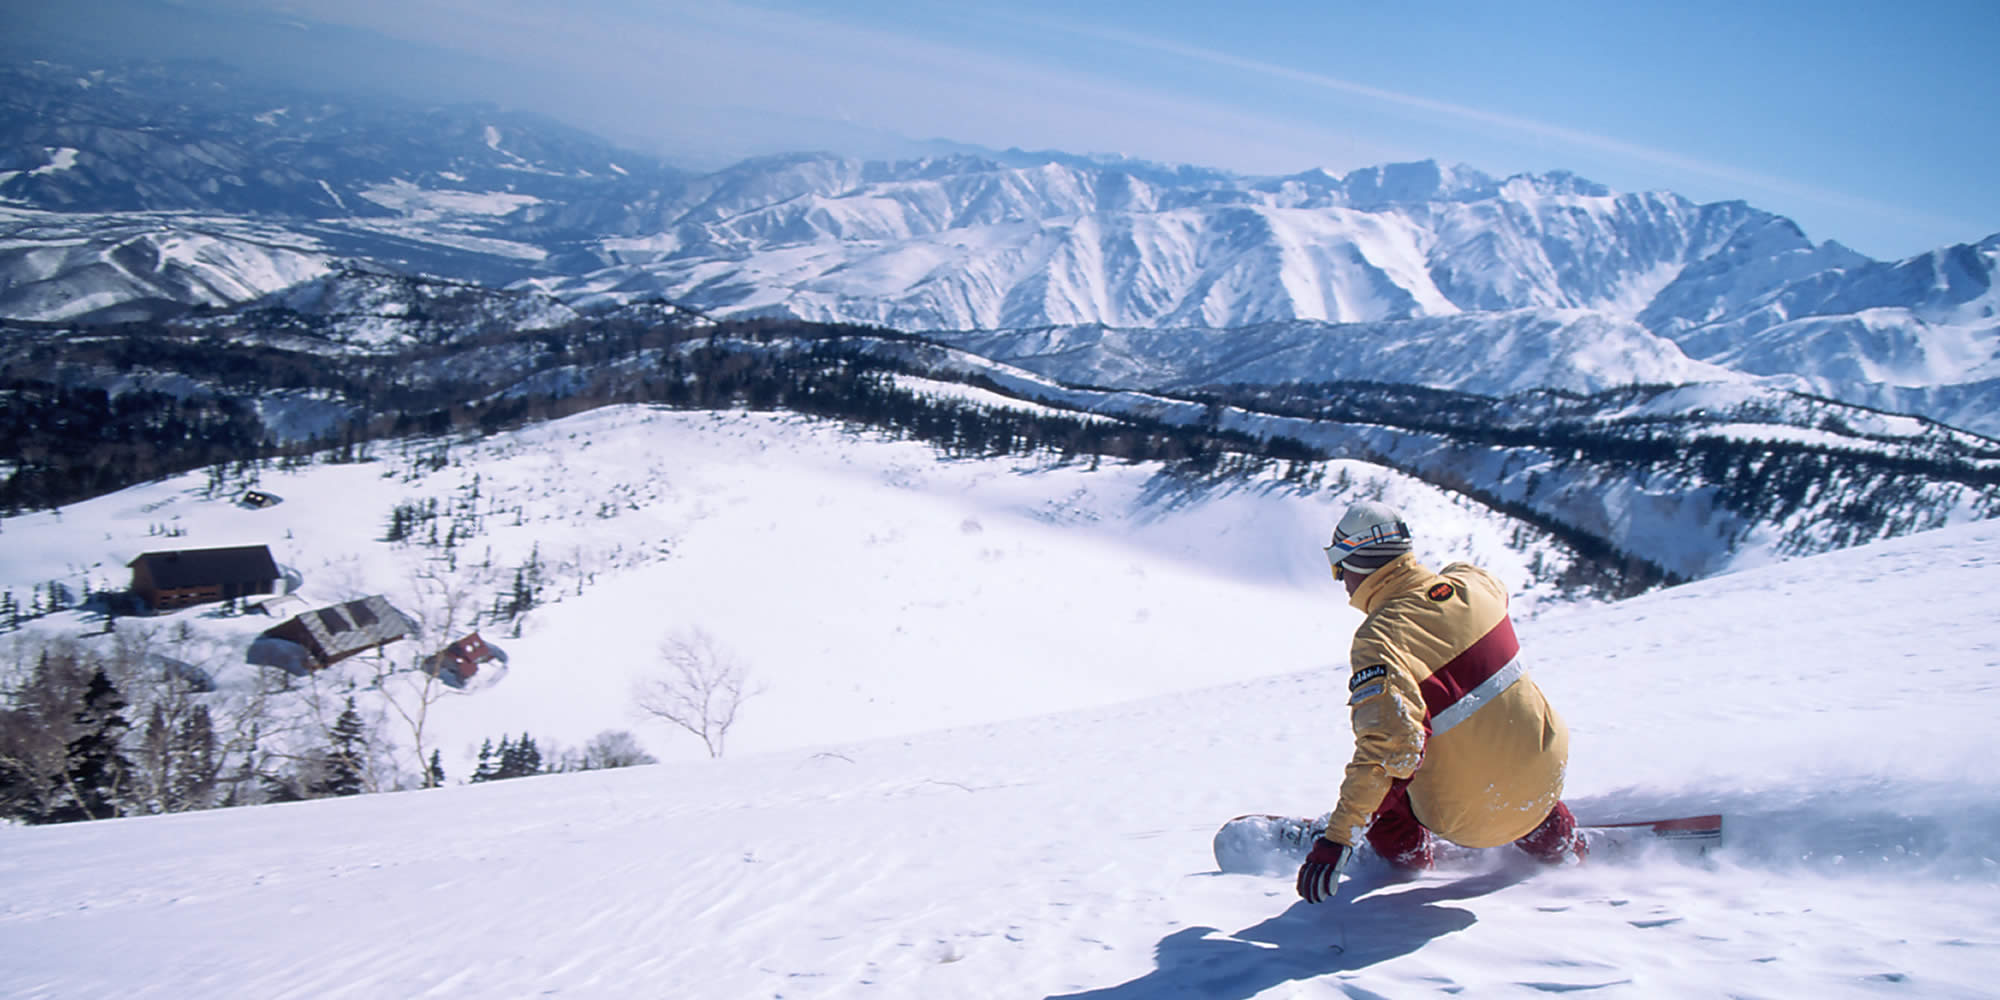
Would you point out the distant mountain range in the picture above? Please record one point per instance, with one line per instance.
(1634, 487)
(148, 190)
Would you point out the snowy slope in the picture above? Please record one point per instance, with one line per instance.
(849, 572)
(1837, 708)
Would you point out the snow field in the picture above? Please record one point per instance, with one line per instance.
(869, 588)
(1836, 708)
(1049, 856)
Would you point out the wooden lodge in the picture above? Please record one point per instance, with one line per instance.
(170, 580)
(325, 636)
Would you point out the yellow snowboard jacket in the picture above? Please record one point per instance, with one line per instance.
(1440, 698)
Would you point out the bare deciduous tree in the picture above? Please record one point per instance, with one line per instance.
(699, 687)
(171, 750)
(258, 728)
(178, 759)
(191, 745)
(443, 604)
(613, 748)
(44, 687)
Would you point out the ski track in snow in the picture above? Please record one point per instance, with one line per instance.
(1837, 708)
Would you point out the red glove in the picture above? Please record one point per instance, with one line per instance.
(1319, 877)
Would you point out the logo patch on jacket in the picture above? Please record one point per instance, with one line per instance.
(1366, 674)
(1441, 592)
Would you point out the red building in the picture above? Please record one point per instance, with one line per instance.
(459, 662)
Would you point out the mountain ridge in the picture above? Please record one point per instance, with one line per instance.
(979, 246)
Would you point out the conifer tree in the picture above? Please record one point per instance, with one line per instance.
(97, 773)
(36, 725)
(437, 769)
(279, 788)
(531, 755)
(484, 771)
(519, 759)
(510, 759)
(20, 791)
(513, 759)
(347, 759)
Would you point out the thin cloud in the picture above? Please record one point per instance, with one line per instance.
(895, 79)
(643, 69)
(1514, 123)
(888, 78)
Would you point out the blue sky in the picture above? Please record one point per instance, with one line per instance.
(1869, 123)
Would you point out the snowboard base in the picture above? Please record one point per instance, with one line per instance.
(1262, 844)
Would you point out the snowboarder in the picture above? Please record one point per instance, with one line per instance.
(1451, 737)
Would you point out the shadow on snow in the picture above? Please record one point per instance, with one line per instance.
(1305, 942)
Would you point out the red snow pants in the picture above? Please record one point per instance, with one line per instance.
(1396, 835)
(1399, 839)
(1556, 839)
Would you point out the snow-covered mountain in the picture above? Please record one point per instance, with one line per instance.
(104, 170)
(1120, 669)
(974, 244)
(198, 137)
(971, 244)
(118, 267)
(1275, 280)
(375, 311)
(1488, 353)
(1083, 268)
(1641, 485)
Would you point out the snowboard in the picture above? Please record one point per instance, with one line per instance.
(1260, 844)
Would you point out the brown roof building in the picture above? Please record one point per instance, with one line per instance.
(184, 577)
(333, 633)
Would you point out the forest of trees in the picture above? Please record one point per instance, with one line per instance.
(1858, 494)
(62, 441)
(66, 444)
(96, 732)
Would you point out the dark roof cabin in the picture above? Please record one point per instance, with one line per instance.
(184, 577)
(334, 633)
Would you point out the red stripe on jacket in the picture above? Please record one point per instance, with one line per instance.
(1469, 669)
